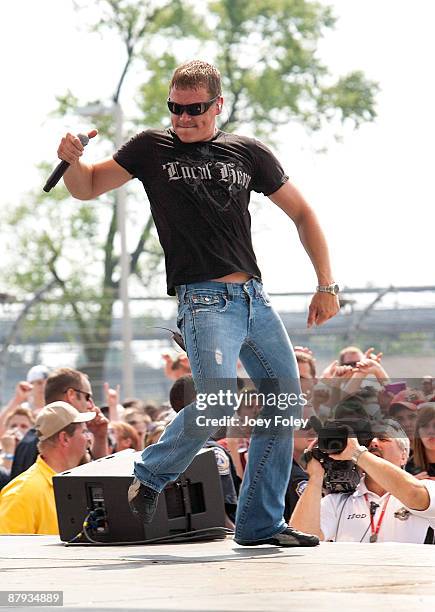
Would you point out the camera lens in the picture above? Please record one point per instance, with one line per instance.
(335, 446)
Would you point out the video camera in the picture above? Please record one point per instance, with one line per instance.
(340, 476)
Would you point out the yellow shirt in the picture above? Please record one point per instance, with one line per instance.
(27, 502)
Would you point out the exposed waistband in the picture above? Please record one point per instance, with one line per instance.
(253, 286)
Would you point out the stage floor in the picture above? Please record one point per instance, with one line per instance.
(223, 576)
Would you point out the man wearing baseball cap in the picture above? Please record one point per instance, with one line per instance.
(73, 387)
(27, 503)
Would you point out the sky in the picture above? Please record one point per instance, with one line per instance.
(373, 192)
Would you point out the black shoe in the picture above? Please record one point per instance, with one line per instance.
(142, 500)
(288, 537)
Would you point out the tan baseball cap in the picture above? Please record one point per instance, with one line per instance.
(56, 416)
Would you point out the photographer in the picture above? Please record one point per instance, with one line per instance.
(388, 505)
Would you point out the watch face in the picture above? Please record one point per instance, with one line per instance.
(333, 289)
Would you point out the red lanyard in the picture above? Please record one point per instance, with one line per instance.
(375, 529)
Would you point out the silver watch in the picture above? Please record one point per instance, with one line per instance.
(333, 288)
(357, 453)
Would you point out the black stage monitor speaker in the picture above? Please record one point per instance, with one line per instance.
(97, 491)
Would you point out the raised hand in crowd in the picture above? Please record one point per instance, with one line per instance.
(176, 367)
(112, 400)
(384, 398)
(99, 430)
(23, 390)
(8, 444)
(346, 379)
(370, 354)
(334, 373)
(368, 365)
(303, 349)
(371, 364)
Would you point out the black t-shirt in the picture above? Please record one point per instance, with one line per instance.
(26, 453)
(4, 477)
(416, 469)
(199, 195)
(296, 486)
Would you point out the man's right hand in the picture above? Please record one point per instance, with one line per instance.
(87, 181)
(314, 468)
(71, 149)
(98, 426)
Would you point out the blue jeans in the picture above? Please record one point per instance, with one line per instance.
(221, 322)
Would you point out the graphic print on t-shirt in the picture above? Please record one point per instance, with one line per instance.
(199, 196)
(214, 181)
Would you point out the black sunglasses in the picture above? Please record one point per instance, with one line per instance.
(352, 364)
(194, 109)
(88, 396)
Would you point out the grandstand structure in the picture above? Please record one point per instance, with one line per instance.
(399, 321)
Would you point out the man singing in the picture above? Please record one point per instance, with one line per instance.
(198, 180)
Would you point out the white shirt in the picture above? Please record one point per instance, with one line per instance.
(346, 518)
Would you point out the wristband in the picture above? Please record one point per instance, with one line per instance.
(357, 454)
(8, 456)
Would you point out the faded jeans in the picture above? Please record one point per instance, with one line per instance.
(221, 322)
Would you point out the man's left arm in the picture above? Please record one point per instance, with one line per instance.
(409, 490)
(323, 305)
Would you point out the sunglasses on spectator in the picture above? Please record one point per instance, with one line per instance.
(88, 396)
(194, 109)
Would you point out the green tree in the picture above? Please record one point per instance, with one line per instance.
(267, 53)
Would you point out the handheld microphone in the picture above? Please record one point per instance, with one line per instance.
(176, 337)
(61, 168)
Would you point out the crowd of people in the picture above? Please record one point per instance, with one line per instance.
(199, 180)
(52, 424)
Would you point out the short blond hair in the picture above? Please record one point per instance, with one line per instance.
(21, 411)
(348, 349)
